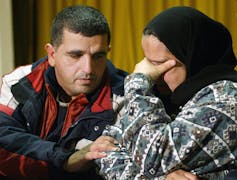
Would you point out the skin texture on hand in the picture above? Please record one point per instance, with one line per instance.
(181, 175)
(153, 70)
(81, 160)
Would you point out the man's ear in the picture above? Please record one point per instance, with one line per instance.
(51, 53)
(109, 47)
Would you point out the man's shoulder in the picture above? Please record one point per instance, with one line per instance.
(114, 71)
(14, 76)
(117, 77)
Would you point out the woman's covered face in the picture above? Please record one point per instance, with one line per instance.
(157, 53)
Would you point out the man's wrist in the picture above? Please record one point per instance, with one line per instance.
(77, 161)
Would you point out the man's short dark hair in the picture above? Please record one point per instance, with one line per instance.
(85, 20)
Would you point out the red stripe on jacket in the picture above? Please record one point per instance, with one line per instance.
(103, 102)
(75, 108)
(9, 111)
(35, 77)
(21, 167)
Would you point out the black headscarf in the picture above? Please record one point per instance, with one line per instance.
(203, 45)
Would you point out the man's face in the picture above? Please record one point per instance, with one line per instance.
(157, 53)
(79, 62)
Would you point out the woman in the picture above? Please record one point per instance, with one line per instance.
(180, 102)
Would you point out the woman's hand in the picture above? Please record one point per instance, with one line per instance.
(153, 70)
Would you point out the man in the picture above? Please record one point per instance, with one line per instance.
(53, 111)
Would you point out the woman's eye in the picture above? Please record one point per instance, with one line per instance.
(156, 63)
(159, 62)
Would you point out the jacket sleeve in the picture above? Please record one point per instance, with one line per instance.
(202, 138)
(22, 154)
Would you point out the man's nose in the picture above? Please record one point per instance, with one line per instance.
(87, 64)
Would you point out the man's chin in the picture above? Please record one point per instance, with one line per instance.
(86, 90)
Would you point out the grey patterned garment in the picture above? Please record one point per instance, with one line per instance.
(201, 139)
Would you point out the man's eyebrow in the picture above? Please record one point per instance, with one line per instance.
(74, 52)
(100, 53)
(79, 52)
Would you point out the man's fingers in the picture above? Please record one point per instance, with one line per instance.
(95, 155)
(107, 138)
(106, 146)
(103, 146)
(104, 143)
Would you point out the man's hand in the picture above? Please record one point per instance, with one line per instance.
(181, 175)
(80, 160)
(153, 70)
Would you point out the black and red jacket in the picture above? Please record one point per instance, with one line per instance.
(28, 113)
